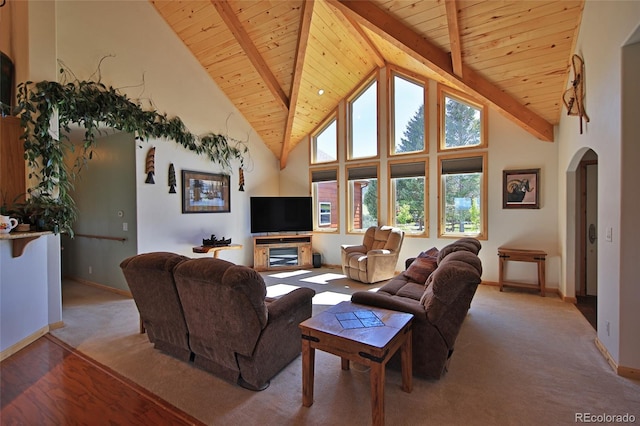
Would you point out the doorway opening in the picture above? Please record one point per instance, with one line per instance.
(587, 232)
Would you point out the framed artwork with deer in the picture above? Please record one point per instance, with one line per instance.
(521, 189)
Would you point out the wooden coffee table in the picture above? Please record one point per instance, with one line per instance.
(363, 334)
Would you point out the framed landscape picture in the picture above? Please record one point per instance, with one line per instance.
(521, 189)
(205, 192)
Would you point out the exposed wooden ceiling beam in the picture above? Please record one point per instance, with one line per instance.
(413, 44)
(301, 50)
(233, 23)
(451, 7)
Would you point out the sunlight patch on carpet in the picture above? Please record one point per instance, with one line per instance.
(289, 274)
(280, 289)
(330, 298)
(323, 278)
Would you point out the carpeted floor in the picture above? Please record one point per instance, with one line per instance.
(520, 359)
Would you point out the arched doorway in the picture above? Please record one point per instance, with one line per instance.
(586, 232)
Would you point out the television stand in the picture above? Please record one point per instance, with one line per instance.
(279, 252)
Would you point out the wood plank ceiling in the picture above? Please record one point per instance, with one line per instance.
(271, 57)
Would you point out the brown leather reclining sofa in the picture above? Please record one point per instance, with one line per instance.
(215, 314)
(437, 288)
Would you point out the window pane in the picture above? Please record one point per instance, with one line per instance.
(325, 144)
(408, 117)
(364, 124)
(363, 205)
(461, 124)
(462, 203)
(326, 197)
(324, 214)
(408, 203)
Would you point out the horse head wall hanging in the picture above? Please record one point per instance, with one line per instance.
(573, 98)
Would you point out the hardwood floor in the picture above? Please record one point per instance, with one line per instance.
(50, 383)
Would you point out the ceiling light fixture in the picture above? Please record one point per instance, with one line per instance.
(320, 92)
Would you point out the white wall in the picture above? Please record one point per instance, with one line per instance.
(30, 297)
(603, 57)
(144, 46)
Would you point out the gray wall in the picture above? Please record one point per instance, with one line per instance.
(105, 194)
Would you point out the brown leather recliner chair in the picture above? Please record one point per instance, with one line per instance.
(233, 331)
(376, 258)
(150, 279)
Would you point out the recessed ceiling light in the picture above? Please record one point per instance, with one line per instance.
(320, 92)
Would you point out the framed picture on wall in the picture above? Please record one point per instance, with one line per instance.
(205, 192)
(521, 189)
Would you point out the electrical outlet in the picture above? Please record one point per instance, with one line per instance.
(90, 270)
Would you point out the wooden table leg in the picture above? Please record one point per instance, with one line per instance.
(308, 363)
(407, 363)
(377, 377)
(541, 277)
(501, 272)
(344, 363)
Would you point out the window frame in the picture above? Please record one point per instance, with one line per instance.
(349, 195)
(348, 112)
(391, 188)
(391, 145)
(484, 232)
(324, 125)
(316, 202)
(444, 91)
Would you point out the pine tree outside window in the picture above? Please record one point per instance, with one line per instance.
(408, 193)
(408, 118)
(463, 189)
(462, 123)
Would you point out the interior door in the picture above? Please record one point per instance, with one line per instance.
(591, 224)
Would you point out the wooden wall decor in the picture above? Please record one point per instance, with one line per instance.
(172, 179)
(573, 98)
(241, 178)
(150, 165)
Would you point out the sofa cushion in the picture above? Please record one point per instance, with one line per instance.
(421, 268)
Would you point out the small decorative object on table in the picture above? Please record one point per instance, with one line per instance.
(213, 242)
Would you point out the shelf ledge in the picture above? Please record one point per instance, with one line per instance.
(21, 239)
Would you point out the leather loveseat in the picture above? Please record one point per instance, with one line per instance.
(437, 288)
(216, 315)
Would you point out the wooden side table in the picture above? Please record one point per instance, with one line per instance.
(520, 255)
(339, 330)
(216, 250)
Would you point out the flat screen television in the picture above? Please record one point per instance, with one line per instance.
(281, 214)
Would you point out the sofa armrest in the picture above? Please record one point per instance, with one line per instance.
(400, 304)
(351, 248)
(289, 302)
(379, 252)
(408, 262)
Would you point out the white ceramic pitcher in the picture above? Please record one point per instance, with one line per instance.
(7, 224)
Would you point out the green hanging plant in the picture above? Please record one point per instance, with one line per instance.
(92, 105)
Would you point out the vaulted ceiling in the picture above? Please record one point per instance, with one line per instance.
(271, 57)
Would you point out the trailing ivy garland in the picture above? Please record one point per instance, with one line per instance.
(91, 105)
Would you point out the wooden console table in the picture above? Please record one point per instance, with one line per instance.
(520, 255)
(217, 249)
